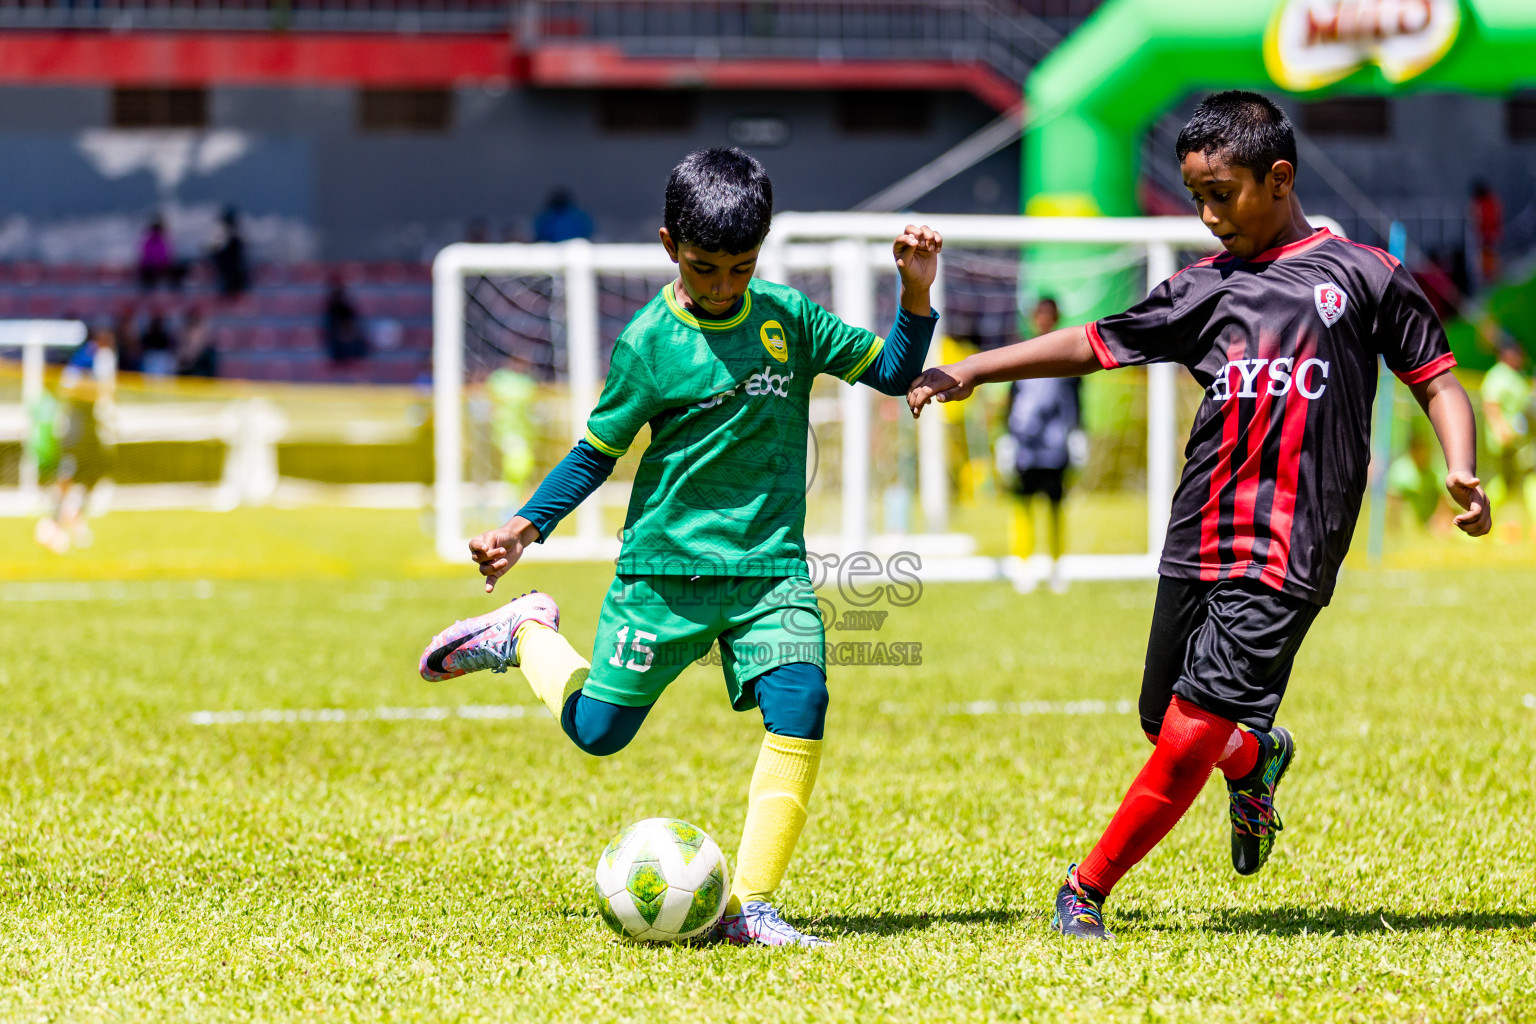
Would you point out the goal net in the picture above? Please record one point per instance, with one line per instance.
(523, 334)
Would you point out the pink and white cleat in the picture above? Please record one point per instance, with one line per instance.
(759, 924)
(486, 641)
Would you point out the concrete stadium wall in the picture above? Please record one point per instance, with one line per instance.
(312, 185)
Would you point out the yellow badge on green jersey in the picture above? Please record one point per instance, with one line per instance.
(772, 334)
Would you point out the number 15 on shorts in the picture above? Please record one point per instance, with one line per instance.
(641, 653)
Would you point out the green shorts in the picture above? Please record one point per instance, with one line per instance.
(652, 627)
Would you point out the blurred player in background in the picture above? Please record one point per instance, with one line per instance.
(511, 389)
(1506, 396)
(1283, 330)
(80, 460)
(1043, 417)
(1413, 482)
(720, 366)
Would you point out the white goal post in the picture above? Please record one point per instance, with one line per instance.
(853, 248)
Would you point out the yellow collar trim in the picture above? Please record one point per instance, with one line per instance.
(669, 293)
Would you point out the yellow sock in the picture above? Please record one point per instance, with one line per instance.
(776, 803)
(1021, 536)
(550, 664)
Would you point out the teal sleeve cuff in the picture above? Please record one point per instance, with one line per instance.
(567, 485)
(903, 355)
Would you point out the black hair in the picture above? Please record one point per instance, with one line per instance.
(719, 200)
(1246, 126)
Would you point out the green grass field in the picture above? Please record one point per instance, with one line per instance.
(155, 869)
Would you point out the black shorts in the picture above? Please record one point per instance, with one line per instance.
(1041, 481)
(1225, 647)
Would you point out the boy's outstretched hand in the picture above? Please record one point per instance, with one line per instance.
(917, 259)
(1468, 492)
(496, 551)
(939, 383)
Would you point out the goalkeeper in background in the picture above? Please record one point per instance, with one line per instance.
(1042, 417)
(720, 367)
(1283, 330)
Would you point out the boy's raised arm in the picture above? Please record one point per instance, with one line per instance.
(1063, 353)
(1450, 411)
(916, 251)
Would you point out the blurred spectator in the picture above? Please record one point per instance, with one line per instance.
(1507, 410)
(198, 356)
(1487, 216)
(1043, 418)
(387, 334)
(159, 348)
(157, 263)
(130, 351)
(344, 337)
(561, 219)
(228, 258)
(479, 231)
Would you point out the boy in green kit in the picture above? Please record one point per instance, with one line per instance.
(720, 366)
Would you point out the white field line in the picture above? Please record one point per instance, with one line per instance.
(502, 712)
(473, 712)
(1027, 708)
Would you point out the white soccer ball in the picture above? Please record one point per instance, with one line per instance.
(662, 880)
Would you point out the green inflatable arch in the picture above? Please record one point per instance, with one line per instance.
(1092, 99)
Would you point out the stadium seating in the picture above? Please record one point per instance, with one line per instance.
(273, 332)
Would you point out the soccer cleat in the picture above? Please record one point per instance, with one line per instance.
(1252, 801)
(486, 641)
(1079, 910)
(759, 924)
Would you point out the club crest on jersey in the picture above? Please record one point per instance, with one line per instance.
(1331, 302)
(772, 333)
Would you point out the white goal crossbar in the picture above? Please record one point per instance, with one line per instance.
(854, 248)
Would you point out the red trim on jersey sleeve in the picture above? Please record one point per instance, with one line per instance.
(1387, 259)
(1312, 241)
(1433, 368)
(1100, 350)
(1205, 262)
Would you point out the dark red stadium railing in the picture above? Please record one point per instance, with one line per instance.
(1010, 35)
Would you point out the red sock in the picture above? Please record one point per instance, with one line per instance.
(1241, 761)
(1188, 746)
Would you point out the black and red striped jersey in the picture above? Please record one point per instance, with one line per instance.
(1285, 345)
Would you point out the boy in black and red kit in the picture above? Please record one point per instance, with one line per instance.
(1283, 330)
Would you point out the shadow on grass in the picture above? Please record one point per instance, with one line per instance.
(886, 924)
(1280, 921)
(1322, 920)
